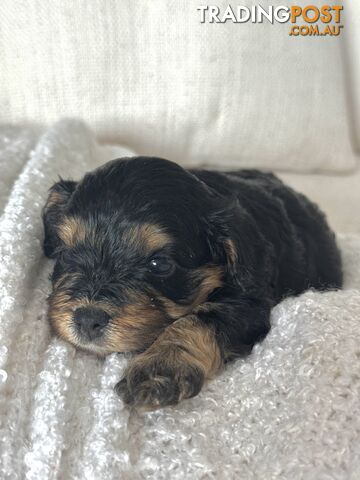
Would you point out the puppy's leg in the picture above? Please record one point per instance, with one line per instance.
(193, 349)
(240, 322)
(174, 367)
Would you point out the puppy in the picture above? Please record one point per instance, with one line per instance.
(180, 266)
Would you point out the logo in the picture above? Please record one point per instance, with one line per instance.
(308, 20)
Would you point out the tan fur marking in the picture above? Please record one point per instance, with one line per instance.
(136, 327)
(60, 314)
(186, 342)
(199, 342)
(133, 327)
(54, 199)
(211, 279)
(72, 231)
(148, 237)
(231, 252)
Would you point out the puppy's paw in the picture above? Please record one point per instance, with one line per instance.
(152, 382)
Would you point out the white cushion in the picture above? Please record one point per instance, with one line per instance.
(338, 196)
(352, 40)
(151, 75)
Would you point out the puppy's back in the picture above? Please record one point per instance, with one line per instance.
(304, 245)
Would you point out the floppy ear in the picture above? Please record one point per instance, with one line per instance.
(53, 212)
(236, 243)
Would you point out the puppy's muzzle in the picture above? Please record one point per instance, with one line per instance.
(90, 322)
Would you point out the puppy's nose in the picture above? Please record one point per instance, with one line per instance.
(90, 321)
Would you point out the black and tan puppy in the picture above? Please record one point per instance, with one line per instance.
(181, 267)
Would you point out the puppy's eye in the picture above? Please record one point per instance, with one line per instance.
(161, 265)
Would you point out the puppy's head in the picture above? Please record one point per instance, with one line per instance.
(135, 248)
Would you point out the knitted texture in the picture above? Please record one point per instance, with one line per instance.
(289, 410)
(150, 74)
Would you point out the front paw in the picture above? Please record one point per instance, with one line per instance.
(153, 383)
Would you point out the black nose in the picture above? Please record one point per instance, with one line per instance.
(90, 322)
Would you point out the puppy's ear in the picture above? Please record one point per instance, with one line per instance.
(233, 240)
(53, 212)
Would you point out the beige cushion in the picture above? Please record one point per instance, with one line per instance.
(149, 74)
(337, 195)
(352, 62)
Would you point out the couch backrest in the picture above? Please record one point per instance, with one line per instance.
(352, 65)
(151, 75)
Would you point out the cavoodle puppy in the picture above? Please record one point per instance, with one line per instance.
(179, 266)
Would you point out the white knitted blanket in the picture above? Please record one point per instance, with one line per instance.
(291, 410)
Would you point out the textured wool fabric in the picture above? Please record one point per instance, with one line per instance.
(151, 75)
(289, 410)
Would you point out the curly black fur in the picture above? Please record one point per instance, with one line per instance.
(268, 240)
